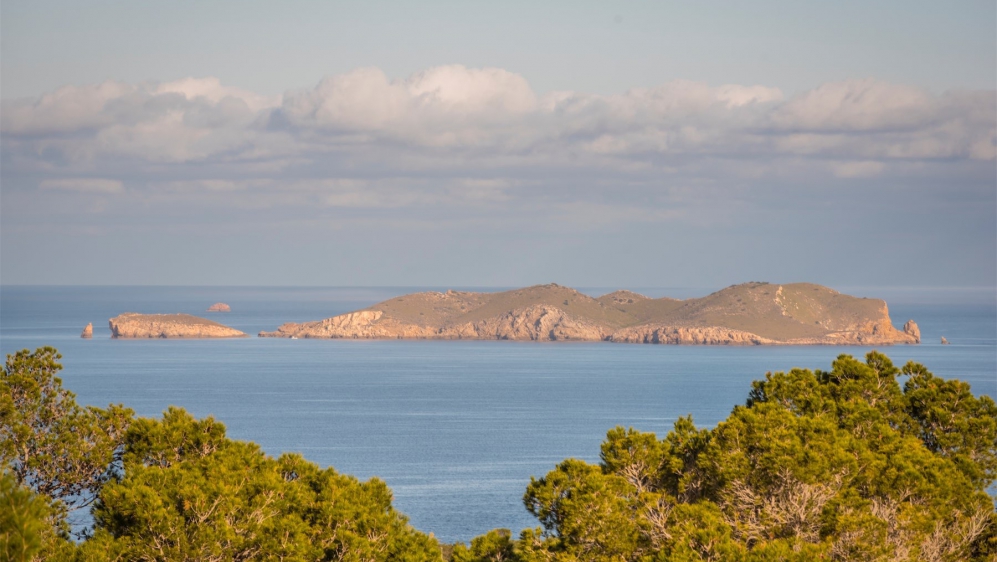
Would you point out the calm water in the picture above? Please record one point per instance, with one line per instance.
(455, 428)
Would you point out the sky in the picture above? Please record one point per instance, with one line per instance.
(629, 144)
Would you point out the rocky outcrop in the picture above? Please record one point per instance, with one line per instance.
(363, 324)
(133, 325)
(911, 329)
(873, 332)
(219, 307)
(87, 332)
(944, 341)
(749, 314)
(708, 335)
(535, 323)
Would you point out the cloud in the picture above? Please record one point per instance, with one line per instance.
(448, 106)
(181, 121)
(91, 185)
(859, 105)
(366, 100)
(452, 136)
(857, 169)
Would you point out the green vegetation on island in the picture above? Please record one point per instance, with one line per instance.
(865, 461)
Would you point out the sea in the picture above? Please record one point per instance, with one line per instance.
(456, 428)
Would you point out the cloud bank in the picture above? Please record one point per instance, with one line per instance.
(490, 115)
(451, 146)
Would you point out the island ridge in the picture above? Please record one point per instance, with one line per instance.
(747, 314)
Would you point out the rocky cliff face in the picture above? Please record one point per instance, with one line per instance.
(706, 335)
(363, 324)
(532, 323)
(535, 323)
(911, 329)
(133, 325)
(749, 314)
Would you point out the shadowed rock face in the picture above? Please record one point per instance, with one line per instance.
(748, 314)
(133, 325)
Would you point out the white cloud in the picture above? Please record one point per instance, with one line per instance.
(211, 89)
(206, 185)
(472, 137)
(865, 169)
(858, 105)
(93, 185)
(736, 96)
(448, 106)
(69, 108)
(484, 90)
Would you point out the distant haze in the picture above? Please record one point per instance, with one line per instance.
(665, 144)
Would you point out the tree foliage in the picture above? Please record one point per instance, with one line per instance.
(48, 442)
(173, 489)
(26, 524)
(190, 493)
(844, 464)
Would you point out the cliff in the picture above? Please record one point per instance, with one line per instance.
(133, 325)
(748, 314)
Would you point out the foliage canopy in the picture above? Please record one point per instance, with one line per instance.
(175, 488)
(845, 464)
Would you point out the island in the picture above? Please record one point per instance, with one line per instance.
(219, 307)
(748, 314)
(132, 325)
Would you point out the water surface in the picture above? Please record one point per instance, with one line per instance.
(456, 428)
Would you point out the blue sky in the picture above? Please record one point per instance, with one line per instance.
(627, 144)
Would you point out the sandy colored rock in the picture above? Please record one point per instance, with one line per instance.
(944, 341)
(354, 325)
(87, 332)
(535, 323)
(911, 329)
(747, 314)
(219, 307)
(706, 335)
(133, 325)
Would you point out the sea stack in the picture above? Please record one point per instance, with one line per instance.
(944, 341)
(87, 332)
(219, 307)
(911, 329)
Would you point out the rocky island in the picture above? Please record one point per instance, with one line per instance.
(134, 325)
(747, 314)
(219, 307)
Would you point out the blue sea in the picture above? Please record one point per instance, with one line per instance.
(455, 428)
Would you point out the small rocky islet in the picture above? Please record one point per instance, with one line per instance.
(132, 325)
